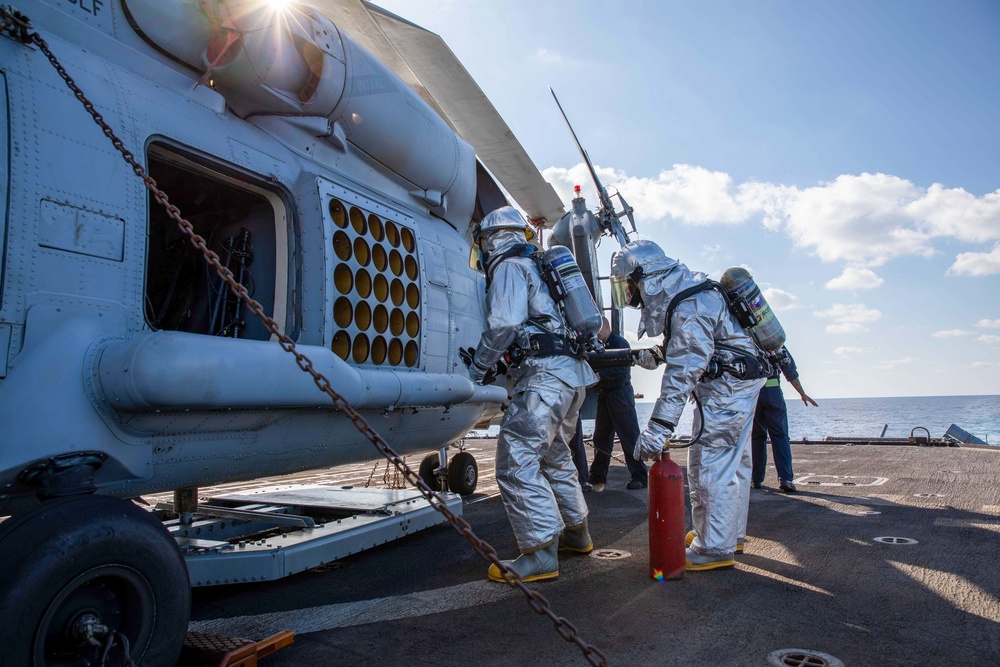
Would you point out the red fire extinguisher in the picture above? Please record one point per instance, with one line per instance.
(666, 519)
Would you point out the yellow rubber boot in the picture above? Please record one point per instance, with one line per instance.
(576, 539)
(698, 563)
(535, 566)
(740, 541)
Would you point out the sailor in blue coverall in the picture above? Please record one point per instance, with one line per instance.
(615, 414)
(771, 418)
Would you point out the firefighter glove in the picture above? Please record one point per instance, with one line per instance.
(649, 358)
(653, 440)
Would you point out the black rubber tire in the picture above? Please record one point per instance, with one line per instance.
(98, 554)
(463, 474)
(426, 472)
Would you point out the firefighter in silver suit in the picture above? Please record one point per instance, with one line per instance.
(699, 328)
(538, 482)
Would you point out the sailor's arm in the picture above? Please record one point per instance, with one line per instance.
(802, 392)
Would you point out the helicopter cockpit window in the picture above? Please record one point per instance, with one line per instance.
(238, 218)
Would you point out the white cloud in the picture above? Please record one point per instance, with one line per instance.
(862, 220)
(989, 324)
(692, 195)
(854, 278)
(769, 200)
(715, 253)
(857, 219)
(977, 263)
(710, 251)
(950, 333)
(846, 352)
(549, 57)
(989, 339)
(985, 364)
(780, 300)
(848, 318)
(955, 212)
(895, 363)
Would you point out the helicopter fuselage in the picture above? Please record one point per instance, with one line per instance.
(126, 366)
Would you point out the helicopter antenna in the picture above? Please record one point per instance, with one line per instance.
(608, 219)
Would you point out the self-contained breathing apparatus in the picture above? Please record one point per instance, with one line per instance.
(742, 365)
(735, 290)
(569, 291)
(746, 303)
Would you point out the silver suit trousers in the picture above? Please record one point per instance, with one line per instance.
(535, 472)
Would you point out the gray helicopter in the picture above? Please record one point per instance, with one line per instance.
(201, 200)
(319, 179)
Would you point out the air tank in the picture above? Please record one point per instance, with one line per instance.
(578, 304)
(767, 331)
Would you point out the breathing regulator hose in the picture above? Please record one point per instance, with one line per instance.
(701, 428)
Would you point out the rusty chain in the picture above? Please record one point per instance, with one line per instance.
(590, 443)
(20, 27)
(394, 483)
(371, 475)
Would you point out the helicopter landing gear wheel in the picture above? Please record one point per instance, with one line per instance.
(428, 465)
(463, 473)
(80, 571)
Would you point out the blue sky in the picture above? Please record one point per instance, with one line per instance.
(847, 153)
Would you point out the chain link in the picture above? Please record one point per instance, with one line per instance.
(396, 482)
(371, 475)
(590, 443)
(20, 25)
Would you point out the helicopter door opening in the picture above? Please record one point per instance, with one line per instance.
(240, 220)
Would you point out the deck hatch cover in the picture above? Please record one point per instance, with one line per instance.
(797, 657)
(896, 540)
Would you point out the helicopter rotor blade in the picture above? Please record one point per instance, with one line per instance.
(601, 192)
(628, 210)
(607, 217)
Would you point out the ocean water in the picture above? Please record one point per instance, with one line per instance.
(848, 417)
(979, 415)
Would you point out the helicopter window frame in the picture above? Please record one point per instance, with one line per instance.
(219, 172)
(489, 197)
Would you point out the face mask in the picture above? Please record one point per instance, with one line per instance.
(625, 293)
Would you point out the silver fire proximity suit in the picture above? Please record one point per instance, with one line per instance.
(538, 482)
(718, 477)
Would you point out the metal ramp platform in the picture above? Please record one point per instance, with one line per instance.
(273, 532)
